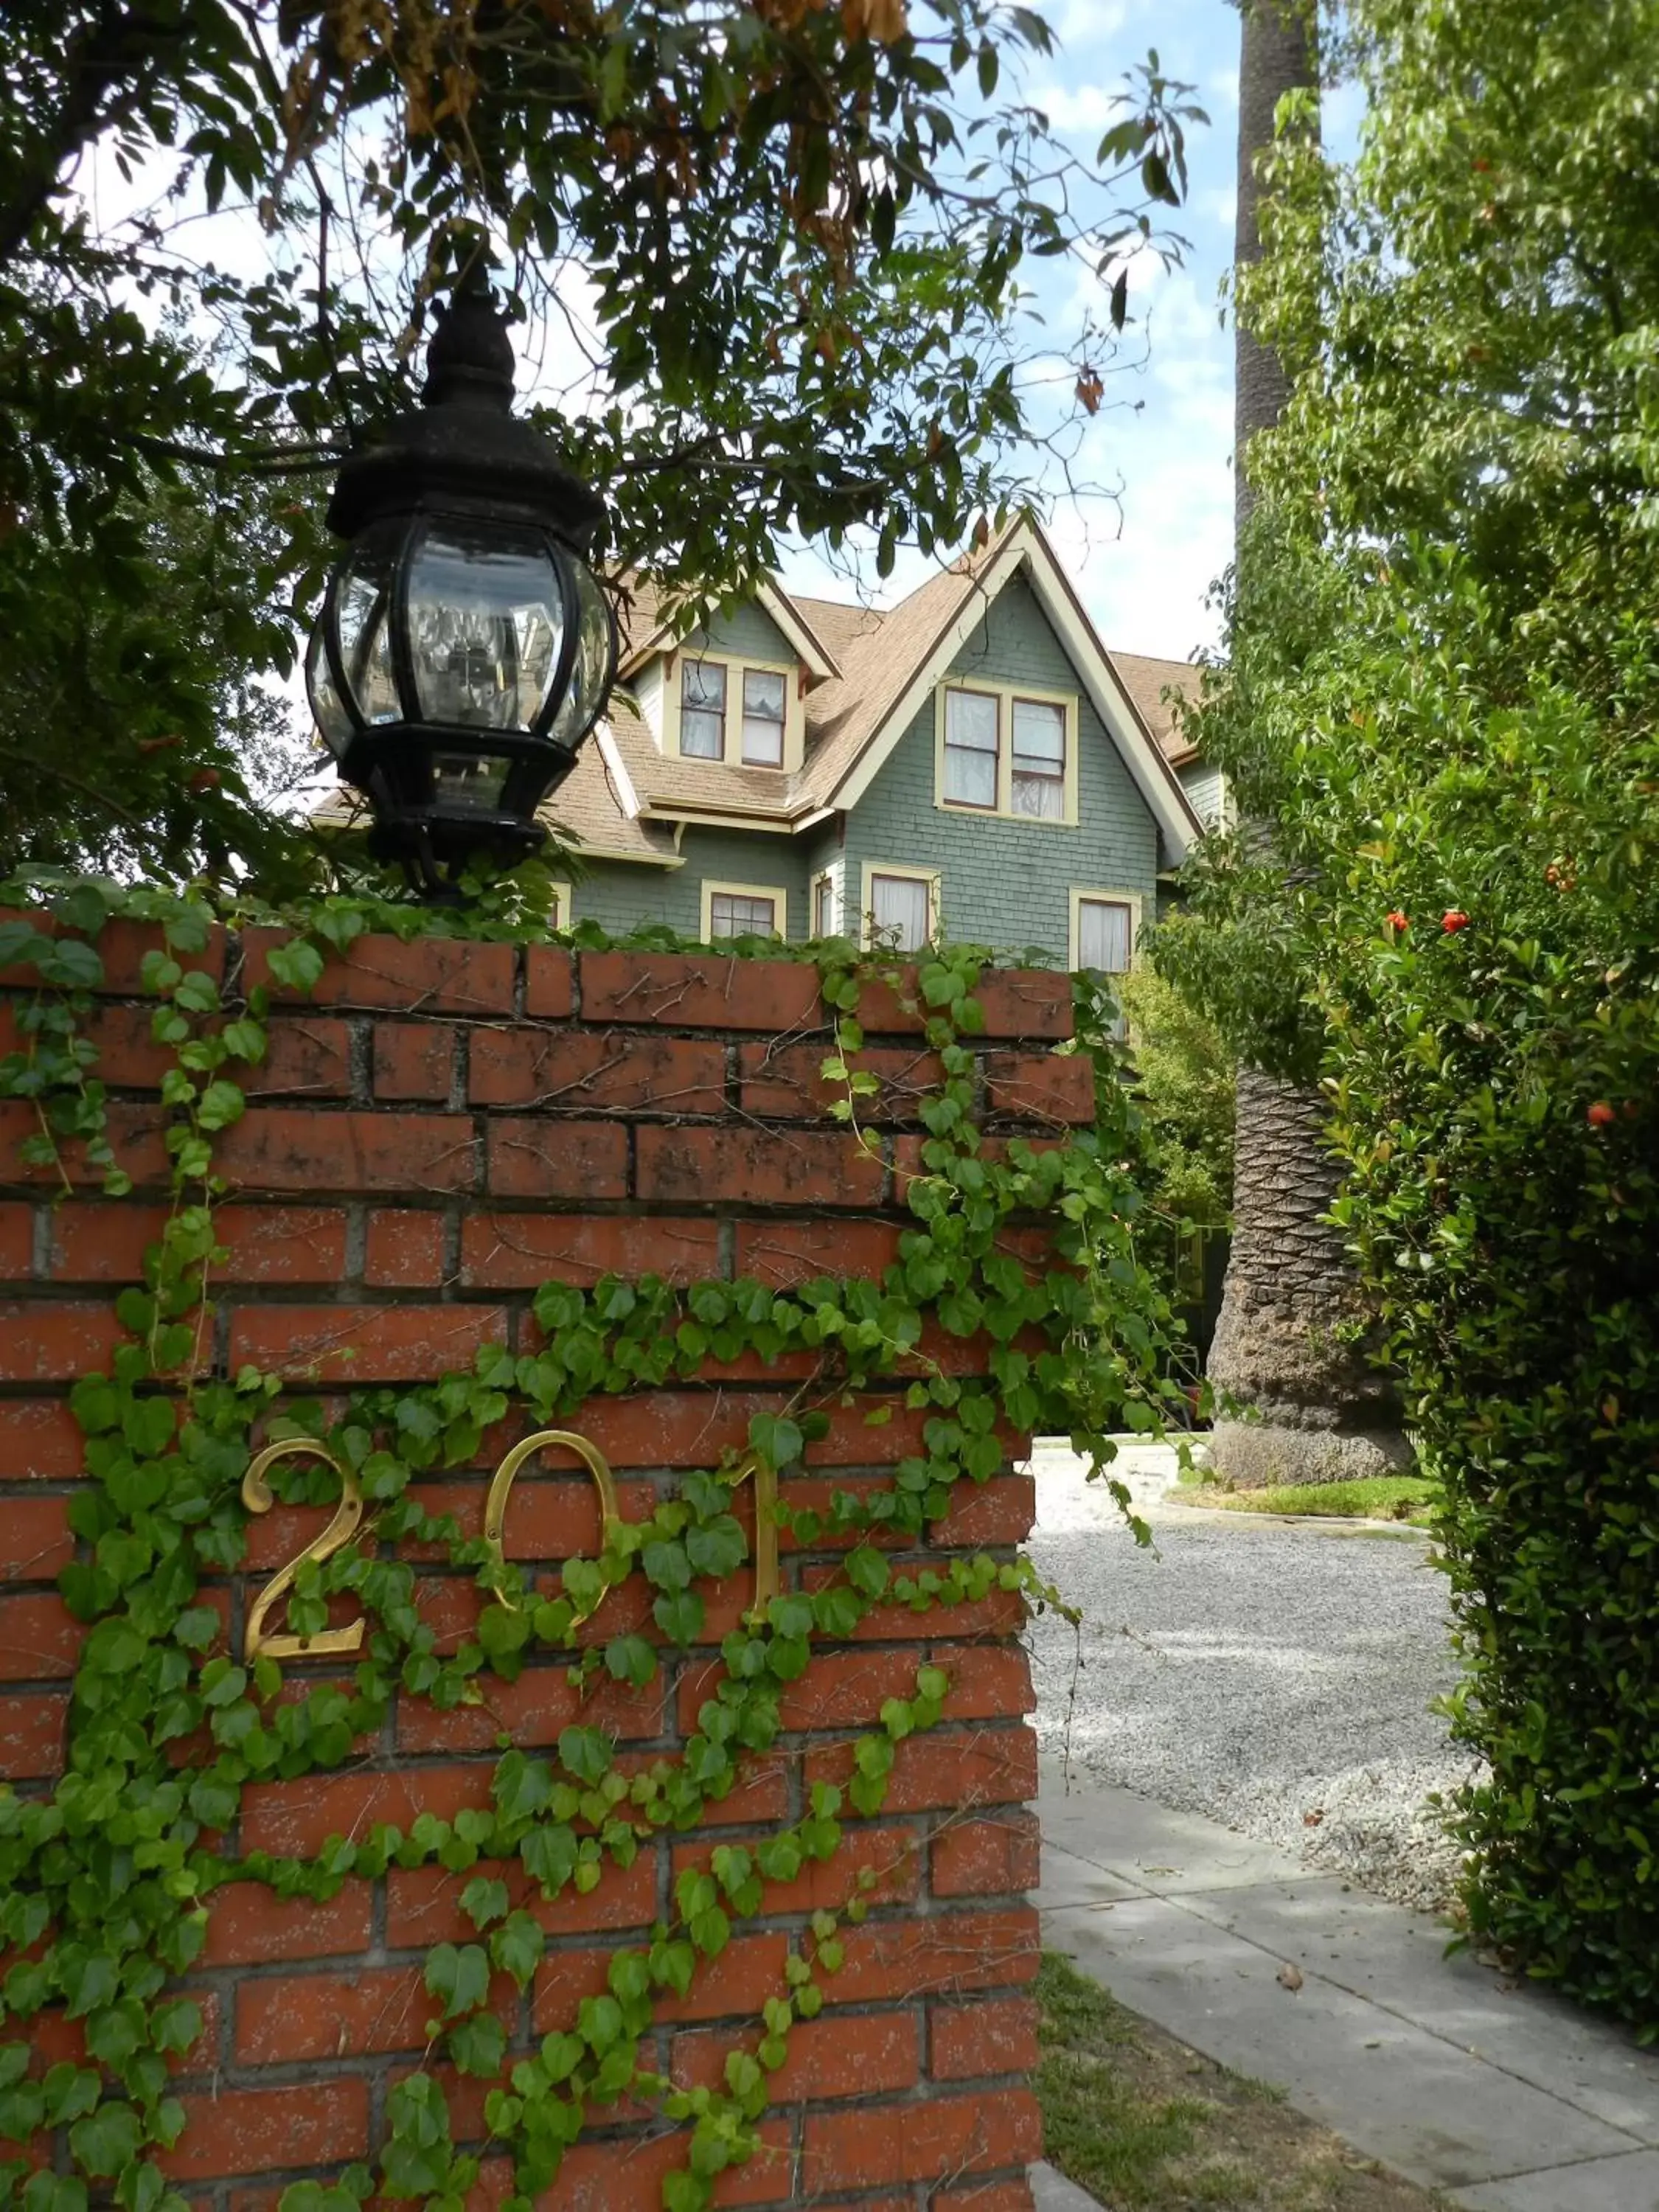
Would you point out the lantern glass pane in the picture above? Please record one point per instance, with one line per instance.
(590, 669)
(332, 721)
(472, 781)
(362, 622)
(486, 623)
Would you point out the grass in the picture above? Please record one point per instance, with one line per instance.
(1409, 1497)
(1145, 2125)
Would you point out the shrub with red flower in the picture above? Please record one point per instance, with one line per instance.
(1395, 919)
(1453, 920)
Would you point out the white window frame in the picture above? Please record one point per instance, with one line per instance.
(775, 892)
(1082, 893)
(561, 896)
(1005, 695)
(824, 880)
(934, 878)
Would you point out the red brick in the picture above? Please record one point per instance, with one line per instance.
(1001, 1511)
(519, 1251)
(121, 946)
(782, 1081)
(307, 1056)
(907, 1163)
(404, 1250)
(1042, 1086)
(999, 2036)
(363, 1344)
(16, 1241)
(32, 1734)
(39, 1639)
(848, 1688)
(414, 1060)
(698, 991)
(423, 1903)
(295, 1819)
(735, 1984)
(135, 1133)
(843, 2056)
(1025, 1002)
(946, 1953)
(991, 1857)
(531, 1712)
(628, 2175)
(788, 1253)
(44, 1342)
(35, 1543)
(1002, 1614)
(40, 1441)
(950, 1767)
(355, 2012)
(249, 1925)
(763, 1167)
(430, 976)
(282, 1148)
(874, 2146)
(53, 2039)
(891, 1009)
(128, 1056)
(550, 977)
(586, 1072)
(92, 1242)
(319, 2121)
(557, 1159)
(892, 1855)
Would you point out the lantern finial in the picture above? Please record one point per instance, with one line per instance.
(471, 355)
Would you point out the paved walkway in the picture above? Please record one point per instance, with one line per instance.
(1506, 2098)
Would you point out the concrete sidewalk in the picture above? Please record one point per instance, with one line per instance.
(1508, 2100)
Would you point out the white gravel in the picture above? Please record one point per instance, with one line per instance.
(1257, 1671)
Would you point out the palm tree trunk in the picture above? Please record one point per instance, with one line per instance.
(1279, 1346)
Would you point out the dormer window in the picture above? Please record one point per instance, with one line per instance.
(705, 688)
(703, 709)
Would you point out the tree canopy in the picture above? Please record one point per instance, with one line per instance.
(1442, 696)
(777, 244)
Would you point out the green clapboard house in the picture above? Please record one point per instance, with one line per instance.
(971, 763)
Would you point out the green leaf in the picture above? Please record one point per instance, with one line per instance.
(458, 1976)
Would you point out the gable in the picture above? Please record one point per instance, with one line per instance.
(1024, 556)
(746, 633)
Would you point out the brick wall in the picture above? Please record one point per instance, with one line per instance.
(438, 1130)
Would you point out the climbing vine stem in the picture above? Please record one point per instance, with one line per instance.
(105, 1876)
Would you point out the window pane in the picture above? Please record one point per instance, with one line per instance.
(702, 684)
(1039, 735)
(702, 735)
(1038, 787)
(970, 748)
(1103, 935)
(763, 717)
(824, 908)
(763, 693)
(736, 913)
(898, 909)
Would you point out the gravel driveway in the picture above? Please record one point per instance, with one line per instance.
(1259, 1672)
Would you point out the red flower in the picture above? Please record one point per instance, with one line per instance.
(1453, 921)
(1397, 920)
(1600, 1114)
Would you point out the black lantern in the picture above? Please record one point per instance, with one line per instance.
(464, 649)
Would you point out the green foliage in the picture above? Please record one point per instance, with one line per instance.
(1443, 703)
(796, 237)
(102, 1882)
(1184, 1091)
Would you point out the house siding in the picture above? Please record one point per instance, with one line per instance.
(1008, 883)
(747, 633)
(1206, 789)
(621, 896)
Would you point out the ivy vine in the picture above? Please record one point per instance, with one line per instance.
(105, 1876)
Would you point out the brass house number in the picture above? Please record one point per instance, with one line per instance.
(327, 1643)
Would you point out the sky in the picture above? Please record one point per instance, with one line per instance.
(1144, 561)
